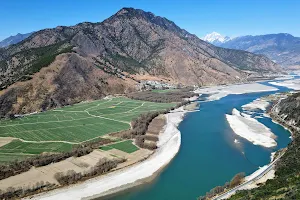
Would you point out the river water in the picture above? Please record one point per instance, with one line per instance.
(208, 155)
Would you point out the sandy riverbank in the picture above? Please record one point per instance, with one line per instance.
(168, 146)
(291, 84)
(218, 92)
(257, 104)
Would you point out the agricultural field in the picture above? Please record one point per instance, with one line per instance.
(125, 146)
(59, 129)
(16, 146)
(6, 158)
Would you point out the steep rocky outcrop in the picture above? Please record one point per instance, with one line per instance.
(289, 110)
(65, 65)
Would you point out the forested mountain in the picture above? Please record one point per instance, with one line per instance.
(64, 65)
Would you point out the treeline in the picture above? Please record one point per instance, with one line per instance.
(20, 192)
(141, 142)
(167, 97)
(235, 181)
(103, 166)
(18, 167)
(140, 126)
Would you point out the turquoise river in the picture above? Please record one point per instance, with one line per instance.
(208, 156)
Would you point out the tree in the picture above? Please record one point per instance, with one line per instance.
(237, 179)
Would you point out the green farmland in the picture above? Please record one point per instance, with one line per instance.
(125, 146)
(16, 146)
(59, 129)
(6, 158)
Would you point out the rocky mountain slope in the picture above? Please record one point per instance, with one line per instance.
(14, 39)
(289, 109)
(282, 48)
(64, 65)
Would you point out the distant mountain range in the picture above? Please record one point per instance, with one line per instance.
(282, 48)
(69, 64)
(216, 38)
(14, 39)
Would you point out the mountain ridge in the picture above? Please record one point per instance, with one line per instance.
(14, 39)
(282, 48)
(216, 38)
(111, 57)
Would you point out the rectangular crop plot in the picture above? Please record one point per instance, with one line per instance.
(106, 148)
(17, 146)
(125, 146)
(6, 158)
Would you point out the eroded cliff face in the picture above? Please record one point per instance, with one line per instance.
(66, 65)
(288, 110)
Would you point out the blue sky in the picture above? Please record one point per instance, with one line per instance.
(228, 17)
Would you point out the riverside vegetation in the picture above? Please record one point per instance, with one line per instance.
(235, 181)
(70, 177)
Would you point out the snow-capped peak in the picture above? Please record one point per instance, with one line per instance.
(215, 37)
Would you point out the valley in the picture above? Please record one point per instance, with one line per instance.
(99, 59)
(103, 102)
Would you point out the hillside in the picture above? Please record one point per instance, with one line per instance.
(282, 48)
(65, 65)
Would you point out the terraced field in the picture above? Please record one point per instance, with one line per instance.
(57, 130)
(125, 146)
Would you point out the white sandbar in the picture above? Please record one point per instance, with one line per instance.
(257, 104)
(250, 129)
